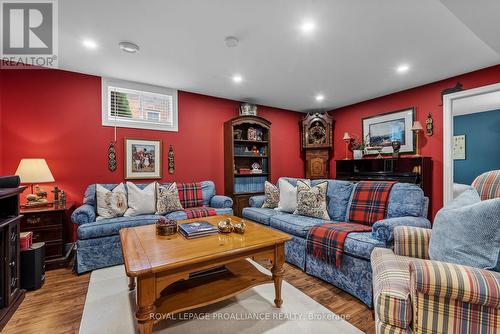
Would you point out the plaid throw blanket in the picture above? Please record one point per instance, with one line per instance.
(369, 202)
(190, 194)
(326, 241)
(200, 212)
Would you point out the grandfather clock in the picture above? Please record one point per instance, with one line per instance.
(317, 144)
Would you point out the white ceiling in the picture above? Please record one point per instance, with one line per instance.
(350, 57)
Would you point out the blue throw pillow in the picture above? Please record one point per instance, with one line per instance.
(467, 232)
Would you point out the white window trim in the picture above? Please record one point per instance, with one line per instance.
(120, 123)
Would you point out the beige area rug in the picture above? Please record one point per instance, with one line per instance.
(109, 309)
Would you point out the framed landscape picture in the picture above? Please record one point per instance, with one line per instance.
(381, 130)
(142, 159)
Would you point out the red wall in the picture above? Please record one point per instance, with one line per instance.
(56, 115)
(426, 99)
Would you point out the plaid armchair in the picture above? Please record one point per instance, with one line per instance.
(415, 295)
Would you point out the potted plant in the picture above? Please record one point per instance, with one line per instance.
(358, 148)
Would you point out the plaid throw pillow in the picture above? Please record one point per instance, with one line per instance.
(369, 202)
(190, 194)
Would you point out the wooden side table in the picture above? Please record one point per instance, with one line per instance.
(48, 225)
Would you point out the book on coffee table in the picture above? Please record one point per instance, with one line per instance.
(197, 229)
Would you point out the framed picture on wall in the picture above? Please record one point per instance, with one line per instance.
(381, 130)
(143, 159)
(459, 147)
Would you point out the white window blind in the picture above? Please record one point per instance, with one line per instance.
(133, 105)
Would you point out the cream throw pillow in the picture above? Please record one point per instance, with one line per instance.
(167, 199)
(311, 201)
(288, 196)
(141, 201)
(111, 203)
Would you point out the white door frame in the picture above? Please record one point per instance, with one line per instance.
(448, 133)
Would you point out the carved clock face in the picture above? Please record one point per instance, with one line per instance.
(317, 134)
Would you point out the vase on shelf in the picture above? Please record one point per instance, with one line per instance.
(357, 154)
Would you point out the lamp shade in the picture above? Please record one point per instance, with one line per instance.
(417, 126)
(346, 136)
(34, 171)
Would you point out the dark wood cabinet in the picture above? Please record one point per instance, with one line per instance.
(417, 170)
(247, 159)
(48, 225)
(317, 144)
(11, 294)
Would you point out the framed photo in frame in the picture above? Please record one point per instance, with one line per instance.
(143, 159)
(381, 130)
(248, 109)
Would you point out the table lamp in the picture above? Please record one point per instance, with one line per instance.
(417, 127)
(347, 140)
(34, 171)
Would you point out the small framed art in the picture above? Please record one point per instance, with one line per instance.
(143, 159)
(459, 147)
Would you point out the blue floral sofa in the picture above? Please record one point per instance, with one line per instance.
(407, 207)
(98, 244)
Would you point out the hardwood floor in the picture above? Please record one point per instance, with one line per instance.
(57, 307)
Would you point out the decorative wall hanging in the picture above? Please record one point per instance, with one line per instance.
(247, 109)
(143, 159)
(459, 147)
(112, 157)
(381, 130)
(429, 125)
(171, 165)
(457, 88)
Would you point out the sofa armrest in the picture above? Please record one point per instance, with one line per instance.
(384, 229)
(454, 282)
(412, 241)
(220, 202)
(257, 201)
(83, 215)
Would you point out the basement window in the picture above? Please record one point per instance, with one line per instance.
(133, 105)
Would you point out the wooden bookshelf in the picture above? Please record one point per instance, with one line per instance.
(238, 146)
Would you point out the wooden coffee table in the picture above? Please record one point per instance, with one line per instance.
(161, 267)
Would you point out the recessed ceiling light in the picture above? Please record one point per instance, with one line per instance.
(308, 27)
(129, 47)
(89, 44)
(231, 41)
(237, 78)
(320, 97)
(403, 68)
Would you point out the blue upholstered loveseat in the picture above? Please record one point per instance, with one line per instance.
(407, 206)
(98, 244)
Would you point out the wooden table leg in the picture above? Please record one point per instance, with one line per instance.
(146, 308)
(277, 270)
(131, 283)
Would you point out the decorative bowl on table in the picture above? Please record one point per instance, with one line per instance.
(166, 227)
(225, 226)
(239, 227)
